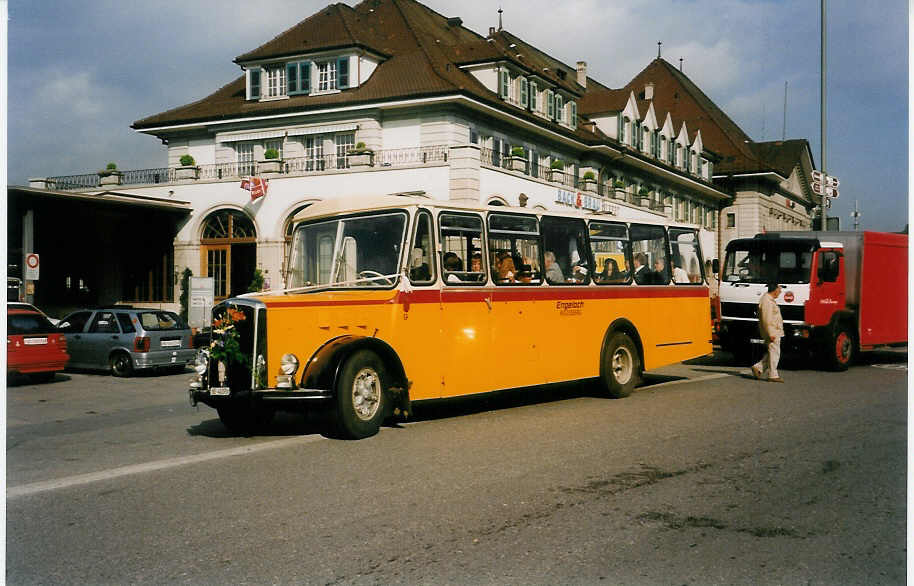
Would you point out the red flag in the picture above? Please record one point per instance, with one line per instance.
(256, 185)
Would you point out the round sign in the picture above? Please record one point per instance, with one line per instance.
(31, 261)
(788, 297)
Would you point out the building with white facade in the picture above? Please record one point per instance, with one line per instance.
(389, 96)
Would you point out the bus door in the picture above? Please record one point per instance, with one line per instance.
(465, 307)
(515, 263)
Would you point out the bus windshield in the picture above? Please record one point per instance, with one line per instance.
(362, 251)
(768, 262)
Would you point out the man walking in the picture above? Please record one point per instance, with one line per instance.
(771, 328)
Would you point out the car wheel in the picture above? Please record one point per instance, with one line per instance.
(121, 364)
(621, 368)
(360, 396)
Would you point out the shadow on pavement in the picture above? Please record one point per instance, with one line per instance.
(21, 380)
(284, 424)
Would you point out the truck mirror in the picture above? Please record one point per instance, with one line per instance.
(715, 265)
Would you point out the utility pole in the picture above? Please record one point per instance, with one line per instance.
(856, 215)
(823, 226)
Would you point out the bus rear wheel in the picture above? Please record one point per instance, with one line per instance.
(621, 366)
(360, 396)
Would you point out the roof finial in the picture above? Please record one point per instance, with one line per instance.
(499, 17)
(658, 48)
(680, 64)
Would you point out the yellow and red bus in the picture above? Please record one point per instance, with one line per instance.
(398, 299)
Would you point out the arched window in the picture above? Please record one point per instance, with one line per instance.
(228, 251)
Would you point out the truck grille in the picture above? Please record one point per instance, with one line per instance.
(750, 311)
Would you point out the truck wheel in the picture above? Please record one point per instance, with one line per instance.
(243, 418)
(360, 396)
(843, 349)
(121, 364)
(621, 366)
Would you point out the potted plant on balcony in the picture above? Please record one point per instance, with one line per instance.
(518, 160)
(644, 196)
(557, 171)
(590, 181)
(271, 162)
(188, 169)
(360, 155)
(109, 175)
(619, 187)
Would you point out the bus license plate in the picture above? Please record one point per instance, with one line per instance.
(756, 341)
(219, 391)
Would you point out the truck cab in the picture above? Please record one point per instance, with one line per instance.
(811, 274)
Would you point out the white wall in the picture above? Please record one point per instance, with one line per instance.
(400, 133)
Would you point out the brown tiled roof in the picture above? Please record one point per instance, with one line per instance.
(782, 155)
(422, 52)
(601, 100)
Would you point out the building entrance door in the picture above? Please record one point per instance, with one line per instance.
(228, 252)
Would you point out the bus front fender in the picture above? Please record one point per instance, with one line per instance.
(323, 368)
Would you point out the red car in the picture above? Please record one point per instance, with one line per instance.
(34, 347)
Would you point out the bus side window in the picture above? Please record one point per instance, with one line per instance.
(462, 261)
(514, 247)
(566, 251)
(650, 259)
(421, 267)
(611, 252)
(687, 262)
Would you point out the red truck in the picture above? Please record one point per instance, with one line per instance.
(842, 292)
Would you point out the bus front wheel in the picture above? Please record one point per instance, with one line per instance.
(621, 366)
(360, 397)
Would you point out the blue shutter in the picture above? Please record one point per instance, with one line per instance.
(620, 133)
(292, 77)
(574, 114)
(550, 105)
(523, 91)
(305, 71)
(342, 73)
(533, 92)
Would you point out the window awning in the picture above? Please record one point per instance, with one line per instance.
(298, 131)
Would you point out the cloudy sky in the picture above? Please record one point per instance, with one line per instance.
(81, 71)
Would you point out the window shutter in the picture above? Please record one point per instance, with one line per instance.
(292, 77)
(620, 134)
(533, 91)
(534, 162)
(255, 84)
(503, 90)
(523, 92)
(550, 104)
(305, 70)
(574, 114)
(342, 73)
(559, 110)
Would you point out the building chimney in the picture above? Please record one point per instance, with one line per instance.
(491, 31)
(582, 73)
(649, 91)
(454, 21)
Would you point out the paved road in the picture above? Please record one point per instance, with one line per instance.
(704, 476)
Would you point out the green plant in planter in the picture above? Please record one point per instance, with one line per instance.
(187, 161)
(589, 176)
(359, 149)
(557, 165)
(518, 151)
(271, 154)
(619, 184)
(644, 191)
(110, 169)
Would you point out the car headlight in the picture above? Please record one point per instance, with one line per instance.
(288, 364)
(201, 362)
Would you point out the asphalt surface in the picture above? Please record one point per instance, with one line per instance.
(703, 476)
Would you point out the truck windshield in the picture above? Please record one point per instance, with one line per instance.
(767, 262)
(362, 251)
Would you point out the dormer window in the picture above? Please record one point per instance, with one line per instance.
(559, 108)
(276, 82)
(298, 77)
(326, 76)
(254, 84)
(534, 92)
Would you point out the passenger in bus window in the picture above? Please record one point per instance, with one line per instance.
(679, 275)
(553, 270)
(419, 270)
(452, 263)
(504, 268)
(610, 272)
(660, 277)
(476, 263)
(695, 271)
(642, 273)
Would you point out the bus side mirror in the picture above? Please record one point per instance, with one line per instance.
(715, 265)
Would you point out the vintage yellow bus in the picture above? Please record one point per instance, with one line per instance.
(398, 299)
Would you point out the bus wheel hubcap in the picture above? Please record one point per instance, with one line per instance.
(622, 365)
(366, 393)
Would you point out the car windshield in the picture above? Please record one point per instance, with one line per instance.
(160, 320)
(28, 323)
(362, 251)
(767, 262)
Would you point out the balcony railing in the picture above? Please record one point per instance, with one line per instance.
(289, 167)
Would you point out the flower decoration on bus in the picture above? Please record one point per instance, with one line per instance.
(225, 346)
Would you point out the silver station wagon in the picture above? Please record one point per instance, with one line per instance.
(124, 339)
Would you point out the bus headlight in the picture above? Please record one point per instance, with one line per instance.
(201, 362)
(288, 364)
